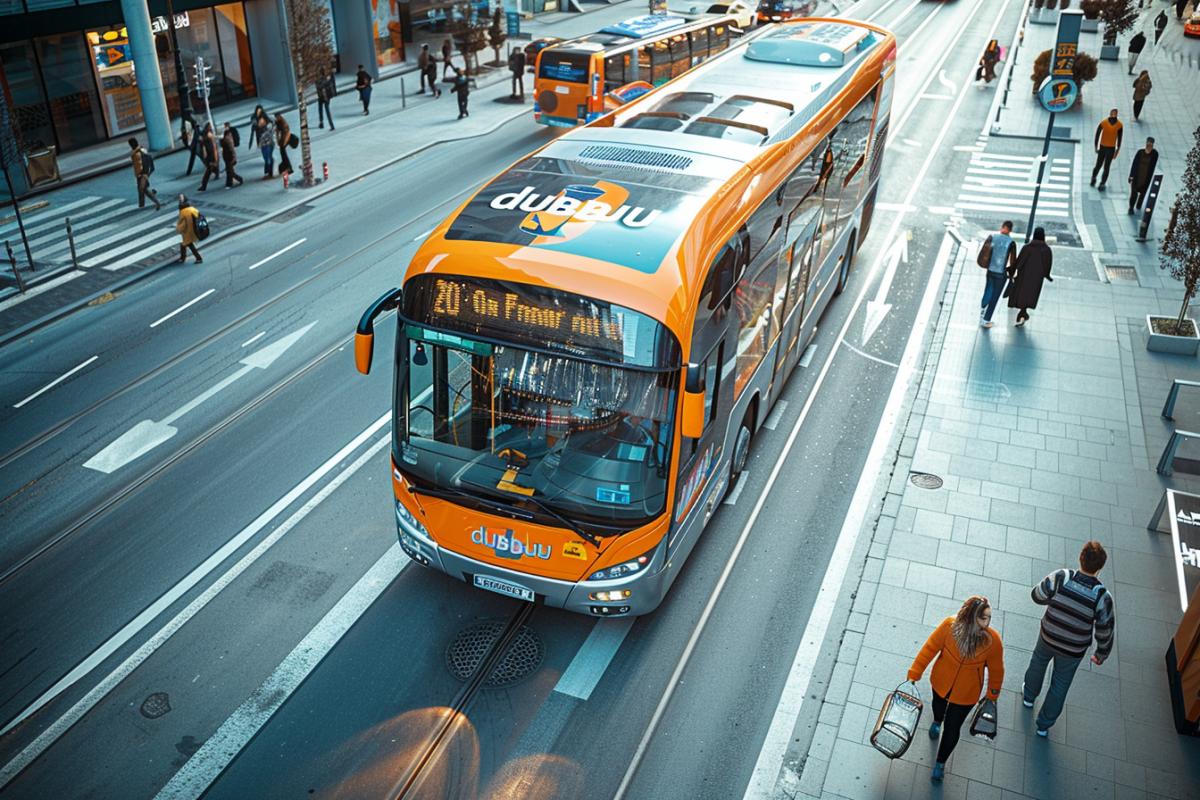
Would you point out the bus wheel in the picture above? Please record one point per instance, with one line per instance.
(741, 450)
(847, 263)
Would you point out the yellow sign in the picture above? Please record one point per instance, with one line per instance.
(575, 550)
(1064, 58)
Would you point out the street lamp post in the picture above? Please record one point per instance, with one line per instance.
(181, 84)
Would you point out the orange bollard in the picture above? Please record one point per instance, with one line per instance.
(325, 169)
(286, 175)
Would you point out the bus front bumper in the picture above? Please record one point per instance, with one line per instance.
(646, 588)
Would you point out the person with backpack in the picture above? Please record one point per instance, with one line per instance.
(998, 255)
(143, 165)
(209, 151)
(189, 225)
(229, 145)
(284, 137)
(964, 645)
(264, 135)
(1078, 608)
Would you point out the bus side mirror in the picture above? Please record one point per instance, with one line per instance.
(364, 335)
(693, 402)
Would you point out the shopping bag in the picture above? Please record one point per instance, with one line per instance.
(983, 723)
(898, 721)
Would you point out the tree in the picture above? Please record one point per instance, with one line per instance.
(1091, 8)
(470, 35)
(1119, 16)
(1180, 251)
(310, 40)
(1085, 70)
(497, 33)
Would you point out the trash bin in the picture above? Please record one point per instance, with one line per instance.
(42, 166)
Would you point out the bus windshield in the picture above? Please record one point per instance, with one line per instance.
(564, 65)
(535, 429)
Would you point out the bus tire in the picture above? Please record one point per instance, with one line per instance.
(847, 263)
(741, 448)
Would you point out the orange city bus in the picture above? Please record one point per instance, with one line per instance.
(573, 78)
(586, 347)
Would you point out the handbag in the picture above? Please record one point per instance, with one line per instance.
(985, 253)
(898, 721)
(983, 723)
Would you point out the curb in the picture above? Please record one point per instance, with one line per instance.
(73, 306)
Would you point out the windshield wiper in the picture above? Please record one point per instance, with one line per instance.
(451, 493)
(587, 536)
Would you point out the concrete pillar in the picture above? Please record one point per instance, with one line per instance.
(356, 45)
(266, 21)
(149, 80)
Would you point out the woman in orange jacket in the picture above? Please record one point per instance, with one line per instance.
(964, 645)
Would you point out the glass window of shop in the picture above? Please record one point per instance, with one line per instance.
(71, 89)
(26, 101)
(235, 51)
(219, 35)
(389, 38)
(115, 75)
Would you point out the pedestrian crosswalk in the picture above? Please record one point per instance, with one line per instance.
(109, 233)
(1005, 184)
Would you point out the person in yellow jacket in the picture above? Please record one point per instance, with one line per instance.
(186, 226)
(964, 645)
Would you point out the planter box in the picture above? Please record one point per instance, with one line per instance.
(1045, 16)
(1090, 25)
(1166, 343)
(1110, 52)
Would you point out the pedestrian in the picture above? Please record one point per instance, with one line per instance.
(186, 227)
(431, 77)
(326, 91)
(252, 135)
(1108, 146)
(462, 88)
(963, 645)
(1078, 607)
(143, 165)
(363, 85)
(229, 156)
(1140, 174)
(1142, 85)
(987, 62)
(264, 134)
(208, 152)
(423, 67)
(283, 137)
(1136, 45)
(191, 138)
(1032, 267)
(1160, 25)
(516, 65)
(998, 255)
(447, 51)
(1180, 5)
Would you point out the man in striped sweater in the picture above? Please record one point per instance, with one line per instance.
(1078, 607)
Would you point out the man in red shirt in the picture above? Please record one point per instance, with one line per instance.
(1108, 146)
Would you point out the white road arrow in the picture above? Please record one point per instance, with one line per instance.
(877, 309)
(148, 434)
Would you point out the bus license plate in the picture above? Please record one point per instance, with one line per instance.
(503, 587)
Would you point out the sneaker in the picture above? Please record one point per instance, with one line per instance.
(1101, 186)
(1093, 183)
(939, 772)
(935, 730)
(1043, 732)
(1021, 323)
(987, 323)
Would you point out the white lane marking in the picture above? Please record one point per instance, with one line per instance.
(41, 288)
(37, 220)
(989, 190)
(199, 772)
(84, 230)
(1062, 161)
(929, 96)
(1059, 170)
(893, 207)
(944, 81)
(170, 242)
(878, 308)
(1042, 212)
(736, 492)
(968, 148)
(997, 172)
(912, 105)
(912, 143)
(772, 420)
(1004, 157)
(779, 734)
(876, 359)
(809, 352)
(278, 253)
(254, 338)
(148, 615)
(593, 658)
(123, 233)
(191, 302)
(941, 209)
(770, 758)
(56, 381)
(423, 235)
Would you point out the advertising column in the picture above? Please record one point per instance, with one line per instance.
(1058, 92)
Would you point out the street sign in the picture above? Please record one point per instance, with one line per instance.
(513, 21)
(1066, 43)
(1151, 202)
(1057, 94)
(1184, 510)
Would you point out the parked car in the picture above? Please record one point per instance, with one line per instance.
(537, 46)
(742, 12)
(1192, 26)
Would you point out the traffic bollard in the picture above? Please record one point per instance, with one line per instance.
(403, 95)
(12, 259)
(71, 241)
(325, 170)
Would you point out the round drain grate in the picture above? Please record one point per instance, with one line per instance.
(925, 480)
(155, 705)
(523, 656)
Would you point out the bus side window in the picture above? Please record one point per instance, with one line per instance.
(680, 55)
(723, 275)
(712, 386)
(718, 38)
(660, 62)
(699, 45)
(614, 71)
(644, 63)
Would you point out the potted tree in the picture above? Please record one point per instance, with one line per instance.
(497, 33)
(1044, 12)
(1085, 70)
(1091, 15)
(1180, 253)
(1119, 16)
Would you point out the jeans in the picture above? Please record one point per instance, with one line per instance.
(323, 112)
(144, 191)
(954, 716)
(268, 154)
(991, 293)
(1104, 159)
(1060, 681)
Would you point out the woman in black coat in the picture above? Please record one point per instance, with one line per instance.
(1032, 267)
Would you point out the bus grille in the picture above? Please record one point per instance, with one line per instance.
(641, 158)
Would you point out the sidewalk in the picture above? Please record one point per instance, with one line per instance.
(117, 243)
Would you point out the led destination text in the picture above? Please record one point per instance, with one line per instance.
(453, 299)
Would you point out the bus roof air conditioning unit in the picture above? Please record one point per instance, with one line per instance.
(811, 44)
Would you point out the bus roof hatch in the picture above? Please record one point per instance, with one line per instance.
(812, 44)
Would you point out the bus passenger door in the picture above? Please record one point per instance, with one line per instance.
(798, 258)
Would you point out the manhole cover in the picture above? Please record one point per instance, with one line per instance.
(523, 656)
(925, 480)
(1121, 272)
(156, 705)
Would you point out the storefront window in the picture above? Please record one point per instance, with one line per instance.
(199, 40)
(389, 39)
(235, 51)
(71, 89)
(11, 7)
(39, 5)
(19, 82)
(113, 61)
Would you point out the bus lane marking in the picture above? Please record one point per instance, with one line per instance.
(186, 305)
(56, 382)
(594, 655)
(278, 253)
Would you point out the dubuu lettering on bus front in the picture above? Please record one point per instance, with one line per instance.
(573, 209)
(506, 544)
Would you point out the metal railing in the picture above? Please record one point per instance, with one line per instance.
(1168, 411)
(1167, 458)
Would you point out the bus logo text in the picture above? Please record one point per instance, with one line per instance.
(505, 544)
(563, 207)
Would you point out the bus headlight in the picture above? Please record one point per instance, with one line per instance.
(407, 520)
(624, 569)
